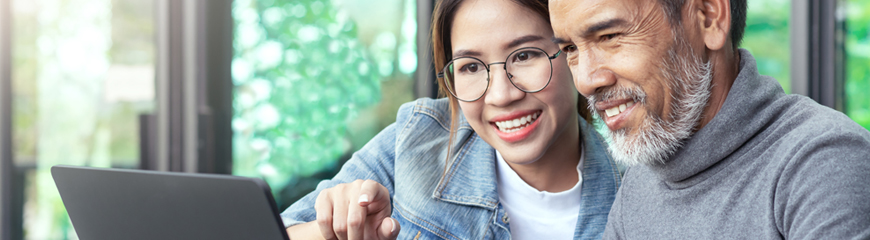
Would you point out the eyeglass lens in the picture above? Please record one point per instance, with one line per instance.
(529, 70)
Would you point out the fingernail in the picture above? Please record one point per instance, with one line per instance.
(393, 228)
(364, 198)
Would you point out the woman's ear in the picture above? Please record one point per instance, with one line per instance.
(714, 17)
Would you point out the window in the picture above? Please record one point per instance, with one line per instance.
(857, 40)
(314, 81)
(82, 73)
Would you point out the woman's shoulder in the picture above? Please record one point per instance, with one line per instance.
(436, 111)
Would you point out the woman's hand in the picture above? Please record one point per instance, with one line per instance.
(354, 211)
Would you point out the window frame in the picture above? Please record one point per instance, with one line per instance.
(7, 187)
(818, 66)
(191, 128)
(194, 92)
(425, 83)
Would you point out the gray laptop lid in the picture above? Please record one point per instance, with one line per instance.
(136, 204)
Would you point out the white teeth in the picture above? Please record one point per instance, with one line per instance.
(516, 124)
(610, 112)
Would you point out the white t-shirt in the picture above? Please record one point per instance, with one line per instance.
(537, 214)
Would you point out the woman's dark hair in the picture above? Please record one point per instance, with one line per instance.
(442, 21)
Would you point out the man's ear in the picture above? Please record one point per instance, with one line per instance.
(714, 16)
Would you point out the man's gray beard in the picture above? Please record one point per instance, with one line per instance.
(657, 139)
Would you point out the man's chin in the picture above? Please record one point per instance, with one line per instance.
(655, 140)
(649, 146)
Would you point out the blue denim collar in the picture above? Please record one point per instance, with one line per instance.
(470, 178)
(601, 177)
(473, 164)
(601, 180)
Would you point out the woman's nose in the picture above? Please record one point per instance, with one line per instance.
(501, 91)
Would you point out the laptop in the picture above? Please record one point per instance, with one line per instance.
(106, 203)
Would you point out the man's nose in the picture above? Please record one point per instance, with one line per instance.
(599, 79)
(591, 76)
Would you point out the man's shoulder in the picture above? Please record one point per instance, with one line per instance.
(822, 182)
(810, 139)
(802, 120)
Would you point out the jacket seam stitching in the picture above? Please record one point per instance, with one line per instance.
(427, 222)
(450, 177)
(405, 126)
(430, 112)
(453, 169)
(460, 198)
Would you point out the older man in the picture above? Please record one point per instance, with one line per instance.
(717, 150)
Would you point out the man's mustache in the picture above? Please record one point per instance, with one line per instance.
(634, 93)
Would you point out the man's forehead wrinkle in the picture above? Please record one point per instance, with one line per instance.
(559, 7)
(599, 13)
(577, 15)
(649, 17)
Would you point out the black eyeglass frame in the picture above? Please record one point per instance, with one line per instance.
(504, 66)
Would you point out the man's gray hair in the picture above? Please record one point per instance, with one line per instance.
(673, 8)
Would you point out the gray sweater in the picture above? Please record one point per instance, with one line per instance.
(768, 166)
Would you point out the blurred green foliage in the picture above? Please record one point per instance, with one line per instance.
(767, 38)
(300, 75)
(308, 90)
(72, 64)
(858, 60)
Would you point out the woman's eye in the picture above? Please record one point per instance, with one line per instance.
(525, 56)
(522, 56)
(470, 68)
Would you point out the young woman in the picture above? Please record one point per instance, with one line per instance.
(508, 153)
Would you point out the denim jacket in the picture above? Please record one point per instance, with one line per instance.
(409, 158)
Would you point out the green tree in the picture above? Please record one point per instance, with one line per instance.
(767, 38)
(300, 76)
(858, 60)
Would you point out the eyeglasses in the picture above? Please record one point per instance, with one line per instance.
(529, 69)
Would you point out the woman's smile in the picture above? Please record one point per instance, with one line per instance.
(514, 127)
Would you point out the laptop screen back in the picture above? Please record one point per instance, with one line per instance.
(136, 204)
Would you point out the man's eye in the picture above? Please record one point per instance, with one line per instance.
(609, 36)
(569, 48)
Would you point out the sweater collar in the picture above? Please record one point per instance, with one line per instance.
(745, 112)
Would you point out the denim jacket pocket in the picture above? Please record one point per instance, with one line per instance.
(415, 227)
(457, 222)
